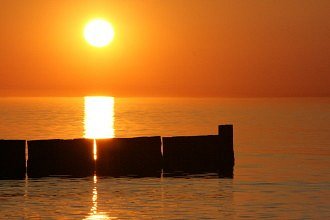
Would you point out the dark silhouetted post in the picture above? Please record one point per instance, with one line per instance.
(191, 154)
(12, 159)
(61, 157)
(138, 157)
(227, 159)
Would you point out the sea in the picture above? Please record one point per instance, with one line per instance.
(281, 145)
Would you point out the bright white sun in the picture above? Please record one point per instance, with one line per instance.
(99, 33)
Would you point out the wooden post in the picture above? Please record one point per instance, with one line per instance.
(137, 157)
(61, 157)
(227, 158)
(191, 154)
(12, 159)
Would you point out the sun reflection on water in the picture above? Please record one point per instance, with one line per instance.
(94, 214)
(99, 117)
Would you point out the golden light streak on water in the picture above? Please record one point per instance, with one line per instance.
(94, 198)
(94, 214)
(94, 149)
(26, 156)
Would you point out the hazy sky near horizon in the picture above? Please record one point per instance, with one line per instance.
(167, 48)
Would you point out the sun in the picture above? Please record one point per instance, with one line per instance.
(99, 33)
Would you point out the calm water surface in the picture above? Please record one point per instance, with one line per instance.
(282, 148)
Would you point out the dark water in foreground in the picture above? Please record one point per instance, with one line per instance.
(282, 149)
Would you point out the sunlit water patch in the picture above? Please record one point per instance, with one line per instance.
(99, 117)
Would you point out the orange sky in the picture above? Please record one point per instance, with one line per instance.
(167, 48)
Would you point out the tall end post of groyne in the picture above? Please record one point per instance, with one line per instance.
(227, 158)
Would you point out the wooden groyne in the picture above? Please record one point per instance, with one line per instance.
(138, 157)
